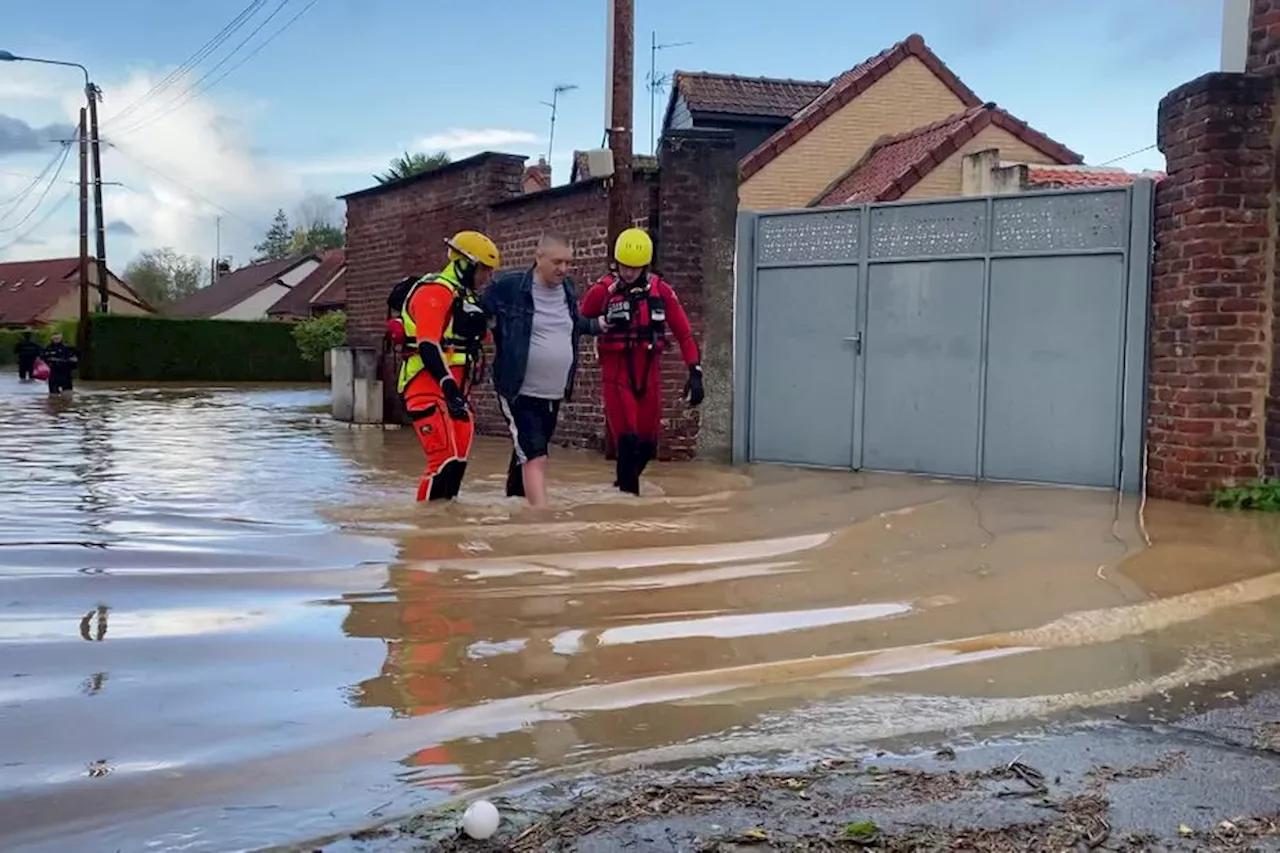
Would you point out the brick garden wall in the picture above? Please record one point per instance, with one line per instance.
(1214, 390)
(398, 230)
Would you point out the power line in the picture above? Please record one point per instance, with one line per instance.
(39, 224)
(66, 151)
(26, 191)
(1130, 154)
(194, 91)
(181, 186)
(192, 61)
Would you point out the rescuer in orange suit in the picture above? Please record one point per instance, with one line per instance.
(638, 306)
(439, 333)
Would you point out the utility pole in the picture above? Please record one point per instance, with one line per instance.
(555, 99)
(82, 327)
(93, 93)
(656, 84)
(621, 112)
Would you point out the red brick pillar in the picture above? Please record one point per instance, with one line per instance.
(1212, 321)
(696, 234)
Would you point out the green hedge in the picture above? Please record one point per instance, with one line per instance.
(160, 349)
(9, 338)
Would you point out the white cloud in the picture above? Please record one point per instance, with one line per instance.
(181, 168)
(456, 142)
(182, 163)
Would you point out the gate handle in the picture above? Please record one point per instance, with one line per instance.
(856, 340)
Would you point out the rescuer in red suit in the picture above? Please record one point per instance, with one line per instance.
(638, 307)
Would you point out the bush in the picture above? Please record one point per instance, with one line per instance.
(9, 337)
(162, 349)
(1259, 495)
(317, 336)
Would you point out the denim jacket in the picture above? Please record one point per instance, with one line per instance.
(508, 300)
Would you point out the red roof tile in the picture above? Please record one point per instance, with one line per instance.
(848, 86)
(1082, 177)
(28, 289)
(334, 294)
(754, 96)
(297, 302)
(233, 288)
(894, 164)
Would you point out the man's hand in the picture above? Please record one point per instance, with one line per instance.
(456, 403)
(693, 391)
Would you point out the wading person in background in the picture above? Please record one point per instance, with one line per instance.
(637, 307)
(536, 330)
(439, 334)
(27, 352)
(62, 360)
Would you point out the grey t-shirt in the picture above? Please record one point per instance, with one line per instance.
(551, 347)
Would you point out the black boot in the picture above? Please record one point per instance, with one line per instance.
(646, 451)
(628, 464)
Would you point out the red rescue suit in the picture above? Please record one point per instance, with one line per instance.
(631, 363)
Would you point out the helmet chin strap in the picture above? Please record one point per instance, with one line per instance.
(466, 272)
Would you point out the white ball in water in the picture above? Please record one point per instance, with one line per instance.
(480, 820)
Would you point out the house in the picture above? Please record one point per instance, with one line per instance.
(36, 293)
(249, 292)
(322, 291)
(537, 177)
(897, 125)
(985, 173)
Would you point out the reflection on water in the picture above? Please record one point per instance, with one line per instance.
(227, 622)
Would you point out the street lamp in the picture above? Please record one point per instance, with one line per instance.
(93, 94)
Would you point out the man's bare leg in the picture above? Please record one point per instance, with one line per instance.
(535, 481)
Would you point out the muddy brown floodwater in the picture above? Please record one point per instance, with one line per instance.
(226, 623)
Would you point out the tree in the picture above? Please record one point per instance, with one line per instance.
(413, 164)
(276, 244)
(163, 276)
(316, 210)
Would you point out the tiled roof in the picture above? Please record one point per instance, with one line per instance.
(848, 86)
(334, 294)
(1083, 177)
(28, 289)
(894, 164)
(769, 97)
(233, 288)
(297, 302)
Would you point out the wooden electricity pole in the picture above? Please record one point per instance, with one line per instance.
(93, 93)
(621, 112)
(82, 327)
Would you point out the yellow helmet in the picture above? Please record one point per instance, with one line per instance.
(475, 247)
(634, 248)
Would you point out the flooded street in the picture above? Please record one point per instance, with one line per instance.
(226, 623)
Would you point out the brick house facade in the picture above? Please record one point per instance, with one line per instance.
(1213, 383)
(689, 203)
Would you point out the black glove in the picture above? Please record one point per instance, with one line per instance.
(457, 404)
(693, 388)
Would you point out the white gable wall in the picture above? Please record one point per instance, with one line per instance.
(255, 306)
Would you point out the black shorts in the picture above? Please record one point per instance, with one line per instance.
(532, 422)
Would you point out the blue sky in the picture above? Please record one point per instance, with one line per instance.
(353, 82)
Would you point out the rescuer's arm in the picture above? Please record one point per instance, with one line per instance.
(680, 327)
(583, 325)
(683, 331)
(594, 299)
(430, 309)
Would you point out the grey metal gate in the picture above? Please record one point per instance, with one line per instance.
(994, 337)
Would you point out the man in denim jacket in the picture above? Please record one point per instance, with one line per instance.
(536, 329)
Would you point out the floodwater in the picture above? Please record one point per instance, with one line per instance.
(226, 623)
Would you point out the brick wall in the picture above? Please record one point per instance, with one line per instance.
(1211, 296)
(1264, 37)
(395, 231)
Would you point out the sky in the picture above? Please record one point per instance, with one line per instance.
(337, 88)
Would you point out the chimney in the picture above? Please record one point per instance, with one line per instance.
(538, 176)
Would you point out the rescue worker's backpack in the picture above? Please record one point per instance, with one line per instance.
(395, 334)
